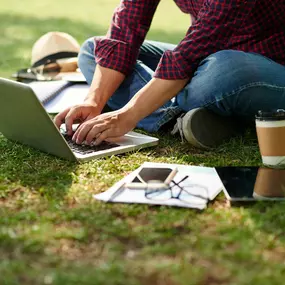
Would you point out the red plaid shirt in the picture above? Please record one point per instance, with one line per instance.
(246, 25)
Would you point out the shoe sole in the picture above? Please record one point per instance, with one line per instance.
(205, 129)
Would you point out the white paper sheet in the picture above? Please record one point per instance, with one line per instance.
(70, 96)
(203, 181)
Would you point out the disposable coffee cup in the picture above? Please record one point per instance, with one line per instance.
(270, 128)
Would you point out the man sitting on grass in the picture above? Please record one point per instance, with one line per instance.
(229, 65)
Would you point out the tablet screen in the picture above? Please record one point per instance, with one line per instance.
(253, 183)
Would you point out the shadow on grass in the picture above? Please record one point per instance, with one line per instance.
(22, 166)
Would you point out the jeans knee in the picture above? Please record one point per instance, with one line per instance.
(218, 75)
(225, 71)
(233, 66)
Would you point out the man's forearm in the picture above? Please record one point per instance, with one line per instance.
(156, 93)
(105, 82)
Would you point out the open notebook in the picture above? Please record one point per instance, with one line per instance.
(58, 95)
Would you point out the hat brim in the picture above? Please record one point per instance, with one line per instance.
(54, 57)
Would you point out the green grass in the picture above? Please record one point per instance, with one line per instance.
(53, 232)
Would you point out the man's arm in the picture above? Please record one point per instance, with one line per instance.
(101, 89)
(115, 56)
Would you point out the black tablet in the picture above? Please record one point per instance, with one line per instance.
(253, 183)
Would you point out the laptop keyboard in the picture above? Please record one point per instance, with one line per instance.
(84, 149)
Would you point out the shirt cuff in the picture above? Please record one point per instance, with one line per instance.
(114, 54)
(173, 66)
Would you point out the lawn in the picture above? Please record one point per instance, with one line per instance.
(53, 232)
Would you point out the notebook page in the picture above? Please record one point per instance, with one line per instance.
(47, 90)
(68, 97)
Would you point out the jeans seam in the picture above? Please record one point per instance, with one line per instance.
(141, 77)
(242, 88)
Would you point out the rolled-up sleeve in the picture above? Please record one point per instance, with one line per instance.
(216, 22)
(130, 24)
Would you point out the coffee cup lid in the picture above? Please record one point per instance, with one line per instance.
(275, 115)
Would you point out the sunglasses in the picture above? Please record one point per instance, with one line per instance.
(46, 72)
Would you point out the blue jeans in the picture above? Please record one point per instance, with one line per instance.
(229, 83)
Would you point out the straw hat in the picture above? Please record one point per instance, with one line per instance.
(54, 46)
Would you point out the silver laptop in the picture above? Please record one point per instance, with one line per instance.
(23, 119)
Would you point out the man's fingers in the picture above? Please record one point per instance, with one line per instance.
(60, 118)
(78, 130)
(95, 132)
(72, 115)
(80, 134)
(103, 136)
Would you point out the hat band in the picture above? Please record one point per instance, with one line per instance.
(55, 56)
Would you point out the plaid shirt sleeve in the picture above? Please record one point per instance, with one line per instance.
(130, 24)
(216, 22)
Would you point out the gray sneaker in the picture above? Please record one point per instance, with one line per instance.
(204, 129)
